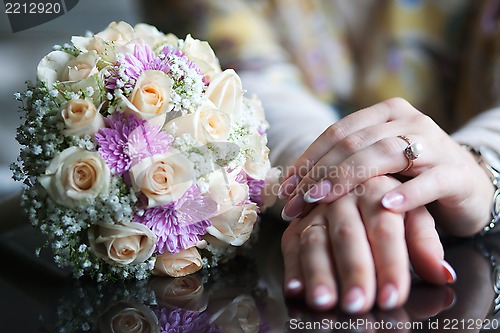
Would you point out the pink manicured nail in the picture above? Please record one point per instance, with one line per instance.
(287, 187)
(323, 296)
(451, 275)
(354, 300)
(393, 200)
(388, 297)
(318, 191)
(293, 208)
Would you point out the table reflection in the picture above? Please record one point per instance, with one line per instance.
(242, 295)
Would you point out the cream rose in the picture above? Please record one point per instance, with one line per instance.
(107, 43)
(153, 37)
(81, 67)
(207, 124)
(228, 193)
(151, 95)
(128, 316)
(185, 292)
(122, 244)
(257, 164)
(270, 191)
(226, 92)
(81, 117)
(76, 176)
(178, 264)
(235, 226)
(202, 54)
(163, 178)
(240, 315)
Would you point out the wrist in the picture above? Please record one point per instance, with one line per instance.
(489, 161)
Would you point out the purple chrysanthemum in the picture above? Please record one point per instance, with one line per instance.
(127, 140)
(179, 224)
(255, 187)
(181, 320)
(144, 59)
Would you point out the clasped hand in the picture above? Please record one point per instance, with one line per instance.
(356, 228)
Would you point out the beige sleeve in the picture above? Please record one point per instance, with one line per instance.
(483, 130)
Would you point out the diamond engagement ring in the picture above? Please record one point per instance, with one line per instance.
(412, 151)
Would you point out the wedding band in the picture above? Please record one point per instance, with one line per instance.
(310, 226)
(412, 151)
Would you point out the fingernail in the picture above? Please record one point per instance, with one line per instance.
(451, 299)
(293, 208)
(318, 191)
(293, 285)
(388, 297)
(354, 300)
(451, 275)
(322, 296)
(287, 187)
(393, 200)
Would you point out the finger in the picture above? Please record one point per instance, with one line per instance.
(426, 300)
(293, 279)
(435, 183)
(384, 157)
(385, 231)
(352, 255)
(317, 265)
(379, 113)
(425, 249)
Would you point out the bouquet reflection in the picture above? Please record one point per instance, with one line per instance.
(226, 299)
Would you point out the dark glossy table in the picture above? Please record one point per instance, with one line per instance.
(244, 295)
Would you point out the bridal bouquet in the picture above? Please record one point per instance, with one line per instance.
(140, 155)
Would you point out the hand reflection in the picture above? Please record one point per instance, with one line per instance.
(461, 307)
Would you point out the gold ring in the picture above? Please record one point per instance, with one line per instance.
(310, 226)
(411, 152)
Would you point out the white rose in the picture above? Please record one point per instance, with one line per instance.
(258, 111)
(122, 244)
(235, 226)
(163, 178)
(76, 176)
(202, 54)
(228, 193)
(240, 315)
(151, 95)
(226, 92)
(81, 67)
(207, 124)
(178, 264)
(81, 117)
(51, 68)
(257, 164)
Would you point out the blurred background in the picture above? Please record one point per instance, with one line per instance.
(20, 53)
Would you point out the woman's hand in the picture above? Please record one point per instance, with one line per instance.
(353, 251)
(365, 144)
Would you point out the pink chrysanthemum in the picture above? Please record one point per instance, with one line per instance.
(179, 224)
(127, 140)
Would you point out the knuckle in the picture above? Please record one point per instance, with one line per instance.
(311, 239)
(398, 103)
(381, 231)
(352, 144)
(344, 232)
(336, 132)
